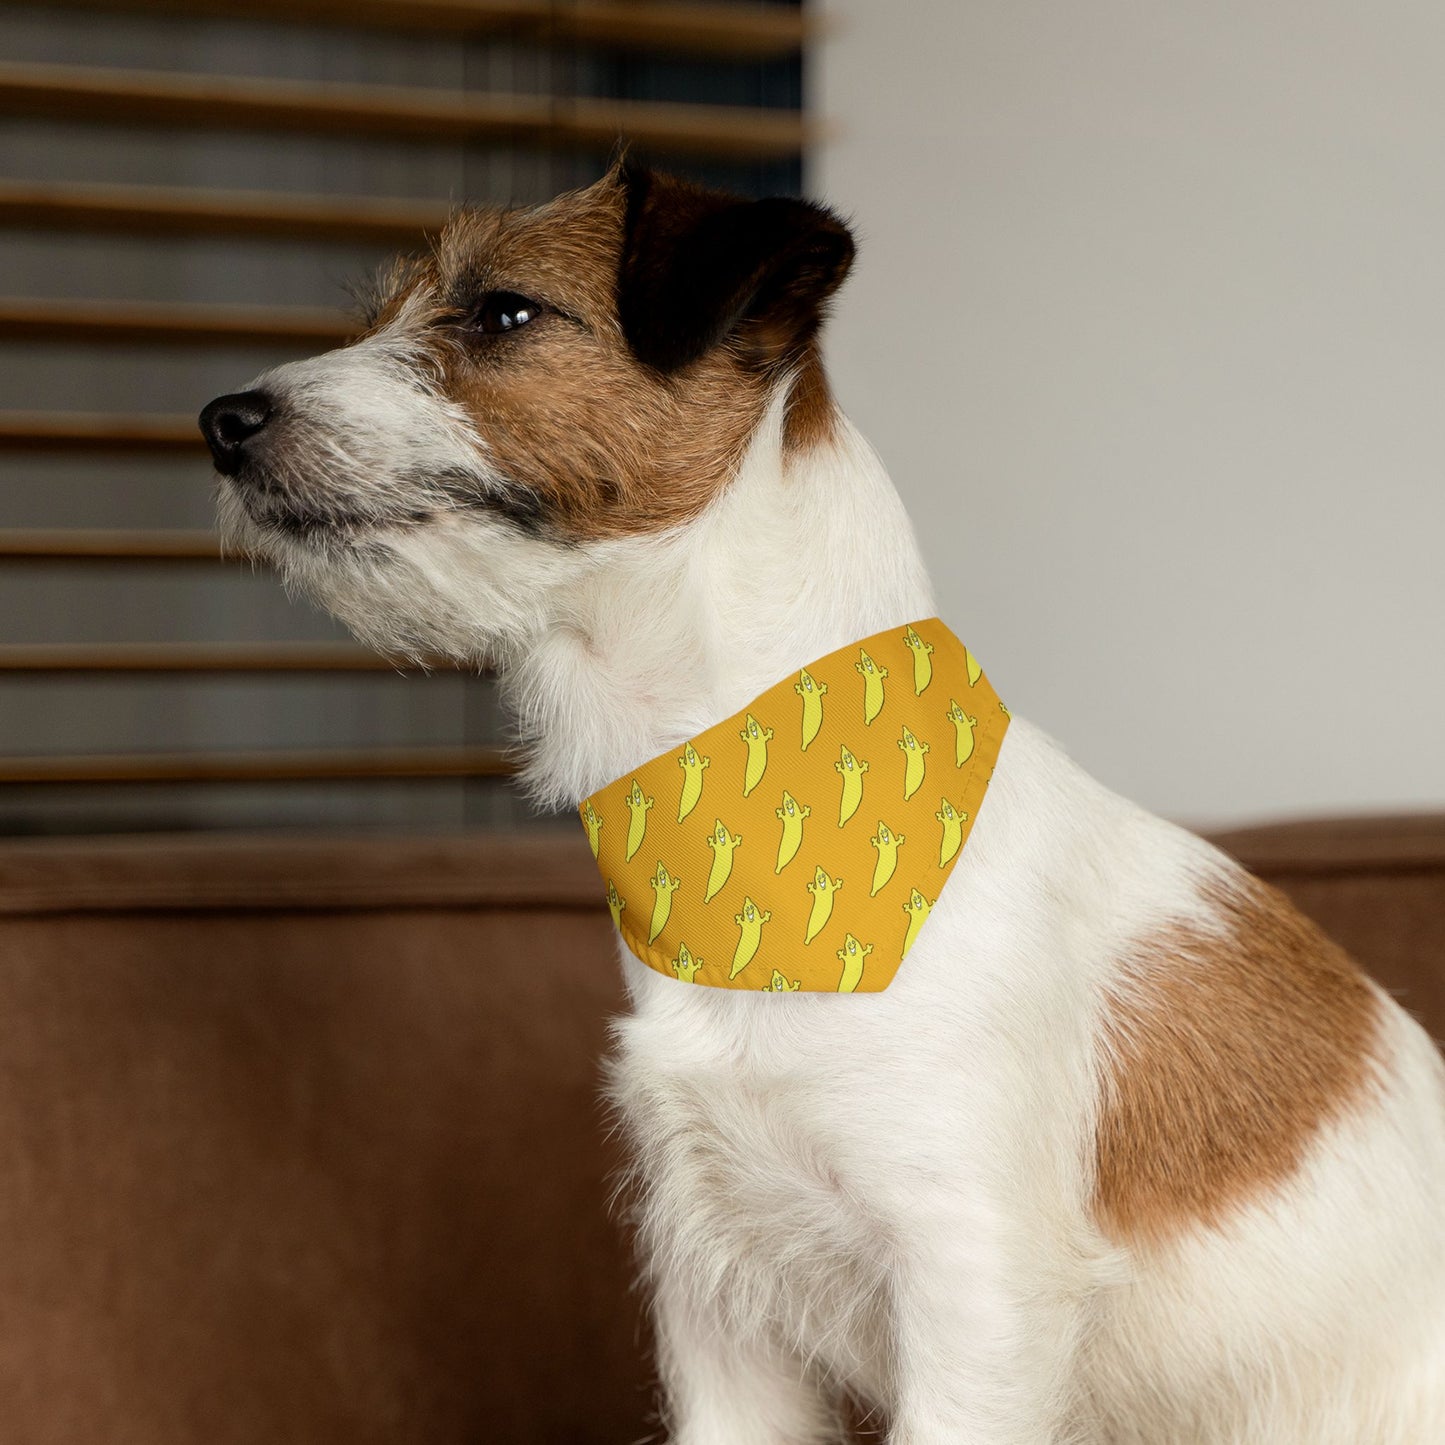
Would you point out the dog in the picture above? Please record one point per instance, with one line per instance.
(1127, 1151)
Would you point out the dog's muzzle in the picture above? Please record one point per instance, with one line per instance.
(230, 423)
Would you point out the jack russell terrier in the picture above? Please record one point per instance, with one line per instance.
(1123, 1150)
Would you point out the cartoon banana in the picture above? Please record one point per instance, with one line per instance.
(757, 738)
(887, 842)
(615, 904)
(851, 770)
(779, 984)
(812, 693)
(664, 885)
(917, 908)
(974, 670)
(853, 955)
(685, 966)
(915, 761)
(953, 820)
(637, 806)
(792, 814)
(963, 730)
(692, 770)
(922, 661)
(873, 677)
(593, 823)
(750, 924)
(722, 844)
(822, 888)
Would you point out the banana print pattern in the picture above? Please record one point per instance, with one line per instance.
(693, 766)
(780, 919)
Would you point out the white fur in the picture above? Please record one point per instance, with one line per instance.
(888, 1194)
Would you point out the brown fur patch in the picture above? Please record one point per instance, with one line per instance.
(1226, 1054)
(606, 445)
(811, 415)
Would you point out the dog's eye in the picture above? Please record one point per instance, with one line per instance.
(504, 311)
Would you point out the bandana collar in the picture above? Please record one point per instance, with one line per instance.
(800, 844)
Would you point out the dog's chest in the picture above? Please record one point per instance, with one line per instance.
(748, 1179)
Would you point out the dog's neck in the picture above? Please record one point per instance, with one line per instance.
(803, 553)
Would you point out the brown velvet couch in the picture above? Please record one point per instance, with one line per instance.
(302, 1143)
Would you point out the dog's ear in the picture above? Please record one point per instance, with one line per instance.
(700, 266)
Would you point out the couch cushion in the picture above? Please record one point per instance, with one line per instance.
(302, 1142)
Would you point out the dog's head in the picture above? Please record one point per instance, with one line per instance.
(545, 382)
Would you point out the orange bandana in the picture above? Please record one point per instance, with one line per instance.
(801, 844)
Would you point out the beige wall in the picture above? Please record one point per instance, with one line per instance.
(1149, 324)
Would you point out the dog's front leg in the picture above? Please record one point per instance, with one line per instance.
(984, 1343)
(723, 1386)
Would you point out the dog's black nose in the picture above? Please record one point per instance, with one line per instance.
(229, 422)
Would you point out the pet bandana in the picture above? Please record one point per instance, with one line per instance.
(800, 844)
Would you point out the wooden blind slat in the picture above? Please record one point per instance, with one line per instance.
(217, 102)
(762, 32)
(172, 211)
(329, 765)
(82, 544)
(169, 657)
(77, 431)
(755, 32)
(171, 323)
